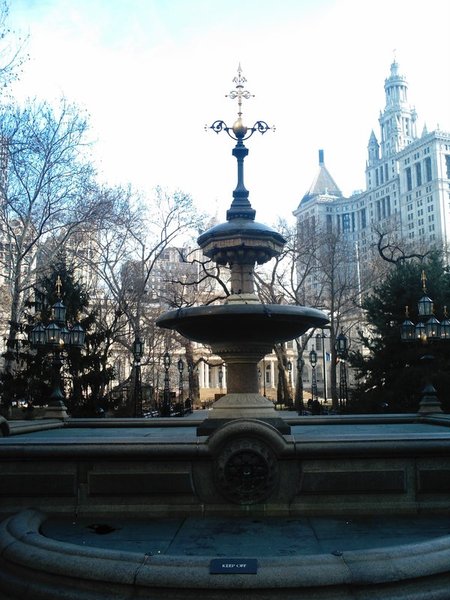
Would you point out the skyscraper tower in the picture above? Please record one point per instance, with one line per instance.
(398, 120)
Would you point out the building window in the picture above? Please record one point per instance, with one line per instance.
(447, 164)
(418, 174)
(408, 179)
(346, 223)
(363, 219)
(428, 173)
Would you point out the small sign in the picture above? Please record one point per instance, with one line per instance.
(233, 565)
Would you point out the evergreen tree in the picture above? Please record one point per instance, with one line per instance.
(86, 373)
(392, 373)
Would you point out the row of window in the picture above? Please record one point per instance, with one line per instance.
(418, 174)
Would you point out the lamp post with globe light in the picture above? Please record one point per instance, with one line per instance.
(180, 365)
(313, 363)
(166, 409)
(55, 338)
(427, 330)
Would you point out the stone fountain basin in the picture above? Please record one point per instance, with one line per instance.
(231, 323)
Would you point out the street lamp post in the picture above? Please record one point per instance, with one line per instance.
(55, 338)
(190, 381)
(342, 353)
(299, 399)
(289, 368)
(322, 336)
(138, 350)
(166, 397)
(180, 366)
(264, 377)
(427, 329)
(220, 378)
(313, 363)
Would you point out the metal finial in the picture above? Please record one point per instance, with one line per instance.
(58, 286)
(240, 207)
(239, 93)
(239, 131)
(423, 278)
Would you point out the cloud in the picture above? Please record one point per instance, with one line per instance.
(152, 73)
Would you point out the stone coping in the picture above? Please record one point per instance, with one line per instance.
(398, 435)
(35, 566)
(18, 427)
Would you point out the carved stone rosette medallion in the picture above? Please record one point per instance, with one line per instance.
(246, 471)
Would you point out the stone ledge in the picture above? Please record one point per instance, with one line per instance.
(33, 566)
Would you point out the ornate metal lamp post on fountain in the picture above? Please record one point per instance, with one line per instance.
(427, 329)
(55, 338)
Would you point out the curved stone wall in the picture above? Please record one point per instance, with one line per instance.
(35, 567)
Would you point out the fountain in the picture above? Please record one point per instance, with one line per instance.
(242, 330)
(240, 505)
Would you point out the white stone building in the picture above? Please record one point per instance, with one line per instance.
(407, 194)
(407, 191)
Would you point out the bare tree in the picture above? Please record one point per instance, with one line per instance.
(45, 190)
(12, 51)
(283, 280)
(133, 236)
(391, 250)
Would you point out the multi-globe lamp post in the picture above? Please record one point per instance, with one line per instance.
(428, 329)
(55, 338)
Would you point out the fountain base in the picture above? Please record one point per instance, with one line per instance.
(242, 406)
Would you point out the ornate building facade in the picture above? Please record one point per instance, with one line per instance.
(407, 193)
(405, 204)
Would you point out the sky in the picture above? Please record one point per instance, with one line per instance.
(153, 73)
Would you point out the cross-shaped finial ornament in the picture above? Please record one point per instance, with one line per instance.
(239, 92)
(423, 278)
(58, 286)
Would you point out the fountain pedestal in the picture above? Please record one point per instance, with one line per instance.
(243, 330)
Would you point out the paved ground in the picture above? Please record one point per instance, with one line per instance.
(238, 537)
